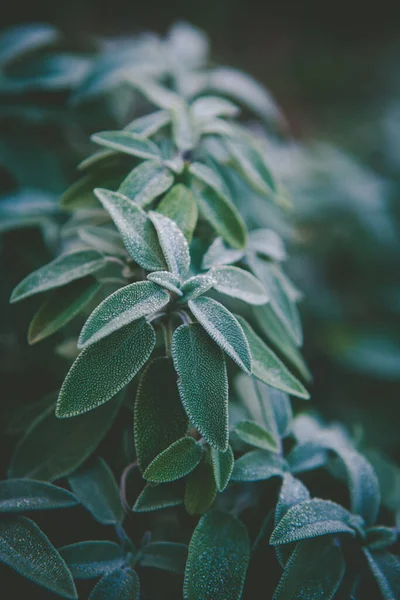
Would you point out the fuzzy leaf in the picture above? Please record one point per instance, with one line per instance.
(61, 308)
(137, 231)
(180, 206)
(268, 368)
(314, 571)
(146, 182)
(202, 383)
(121, 584)
(200, 489)
(385, 567)
(380, 537)
(128, 143)
(173, 244)
(17, 495)
(159, 417)
(102, 370)
(222, 215)
(179, 459)
(207, 108)
(307, 457)
(238, 283)
(255, 435)
(184, 131)
(26, 549)
(167, 556)
(220, 254)
(166, 280)
(258, 465)
(268, 243)
(312, 518)
(104, 239)
(126, 305)
(88, 560)
(224, 329)
(156, 497)
(62, 270)
(211, 178)
(252, 166)
(149, 124)
(196, 286)
(52, 448)
(222, 463)
(95, 487)
(219, 553)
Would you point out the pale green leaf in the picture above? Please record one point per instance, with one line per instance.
(121, 584)
(268, 243)
(103, 369)
(128, 143)
(385, 567)
(255, 435)
(207, 108)
(196, 286)
(251, 165)
(88, 560)
(258, 465)
(103, 239)
(220, 254)
(239, 283)
(200, 490)
(180, 206)
(179, 459)
(146, 182)
(184, 131)
(17, 495)
(149, 124)
(156, 497)
(222, 463)
(173, 244)
(166, 280)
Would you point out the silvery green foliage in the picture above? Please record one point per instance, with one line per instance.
(181, 290)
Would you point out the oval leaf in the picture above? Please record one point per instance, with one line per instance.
(128, 143)
(173, 244)
(179, 459)
(385, 567)
(155, 497)
(87, 560)
(222, 463)
(165, 555)
(121, 584)
(166, 280)
(180, 206)
(255, 435)
(200, 489)
(258, 465)
(146, 182)
(238, 283)
(17, 495)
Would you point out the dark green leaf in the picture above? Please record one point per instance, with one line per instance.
(25, 548)
(155, 497)
(202, 383)
(121, 584)
(255, 435)
(380, 537)
(385, 567)
(211, 178)
(127, 142)
(219, 554)
(102, 370)
(88, 560)
(180, 206)
(23, 418)
(17, 495)
(173, 244)
(200, 489)
(258, 465)
(222, 463)
(146, 182)
(165, 555)
(179, 459)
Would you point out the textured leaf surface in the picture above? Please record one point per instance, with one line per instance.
(208, 107)
(155, 497)
(180, 206)
(17, 495)
(102, 370)
(220, 254)
(268, 243)
(61, 308)
(179, 459)
(60, 271)
(87, 560)
(252, 166)
(311, 518)
(159, 416)
(380, 537)
(385, 567)
(146, 182)
(268, 367)
(196, 286)
(124, 306)
(137, 231)
(121, 584)
(219, 554)
(200, 489)
(254, 434)
(127, 142)
(238, 283)
(149, 124)
(211, 178)
(258, 465)
(222, 463)
(104, 239)
(95, 487)
(224, 329)
(166, 280)
(314, 571)
(202, 383)
(26, 549)
(173, 244)
(184, 131)
(168, 556)
(52, 448)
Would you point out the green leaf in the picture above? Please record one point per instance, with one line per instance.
(196, 286)
(126, 305)
(52, 448)
(149, 124)
(137, 231)
(219, 553)
(156, 497)
(146, 182)
(222, 215)
(200, 489)
(17, 495)
(167, 556)
(95, 487)
(159, 417)
(128, 143)
(80, 194)
(211, 178)
(220, 254)
(103, 239)
(380, 537)
(238, 283)
(255, 435)
(121, 584)
(314, 571)
(268, 243)
(222, 463)
(61, 308)
(180, 206)
(202, 383)
(179, 459)
(103, 369)
(21, 39)
(173, 244)
(307, 457)
(24, 416)
(258, 465)
(208, 108)
(312, 518)
(62, 270)
(184, 132)
(268, 368)
(88, 560)
(166, 280)
(252, 167)
(26, 549)
(224, 329)
(385, 567)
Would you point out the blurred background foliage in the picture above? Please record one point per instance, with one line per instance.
(334, 71)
